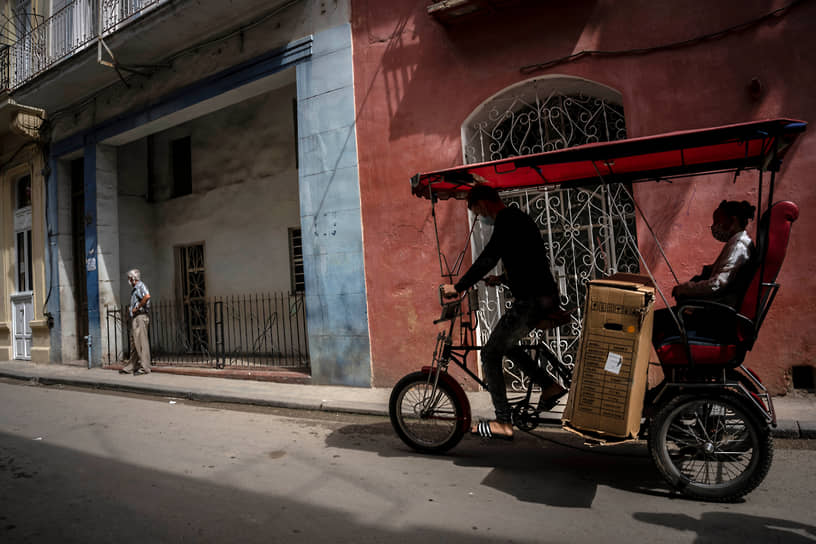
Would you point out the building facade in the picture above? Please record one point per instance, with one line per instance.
(253, 158)
(211, 147)
(440, 84)
(24, 321)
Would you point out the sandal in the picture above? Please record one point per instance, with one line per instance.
(484, 430)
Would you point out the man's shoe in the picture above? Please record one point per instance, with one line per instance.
(550, 397)
(123, 371)
(141, 372)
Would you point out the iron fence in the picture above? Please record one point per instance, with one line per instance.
(245, 331)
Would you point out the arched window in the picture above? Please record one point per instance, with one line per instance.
(585, 229)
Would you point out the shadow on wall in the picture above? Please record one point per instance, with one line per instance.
(661, 96)
(418, 77)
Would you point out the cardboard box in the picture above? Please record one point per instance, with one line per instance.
(609, 380)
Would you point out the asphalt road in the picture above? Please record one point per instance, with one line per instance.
(79, 466)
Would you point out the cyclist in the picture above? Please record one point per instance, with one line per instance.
(517, 243)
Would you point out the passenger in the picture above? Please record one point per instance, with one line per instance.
(725, 281)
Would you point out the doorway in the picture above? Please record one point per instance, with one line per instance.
(22, 301)
(80, 287)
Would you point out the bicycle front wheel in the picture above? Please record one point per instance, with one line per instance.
(426, 417)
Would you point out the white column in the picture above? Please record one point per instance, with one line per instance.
(107, 210)
(68, 343)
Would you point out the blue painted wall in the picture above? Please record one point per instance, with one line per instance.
(52, 260)
(91, 261)
(336, 310)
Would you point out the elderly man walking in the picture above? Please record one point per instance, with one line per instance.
(139, 362)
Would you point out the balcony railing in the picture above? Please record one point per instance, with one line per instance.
(117, 13)
(4, 68)
(68, 31)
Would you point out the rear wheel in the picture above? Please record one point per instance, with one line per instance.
(711, 447)
(427, 418)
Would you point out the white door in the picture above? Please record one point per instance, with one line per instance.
(23, 306)
(22, 302)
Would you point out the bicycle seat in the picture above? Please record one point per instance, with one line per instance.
(554, 319)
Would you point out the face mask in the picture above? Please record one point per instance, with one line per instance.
(719, 233)
(486, 220)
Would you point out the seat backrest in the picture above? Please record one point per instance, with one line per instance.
(773, 234)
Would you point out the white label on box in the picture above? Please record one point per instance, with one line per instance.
(613, 363)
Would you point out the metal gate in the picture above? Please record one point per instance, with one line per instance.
(586, 231)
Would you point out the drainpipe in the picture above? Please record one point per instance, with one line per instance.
(89, 339)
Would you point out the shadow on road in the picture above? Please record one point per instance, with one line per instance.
(731, 527)
(54, 494)
(547, 466)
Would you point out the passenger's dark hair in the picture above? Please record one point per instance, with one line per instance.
(742, 210)
(482, 192)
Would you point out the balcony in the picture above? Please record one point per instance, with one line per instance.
(65, 46)
(71, 29)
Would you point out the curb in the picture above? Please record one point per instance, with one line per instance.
(171, 392)
(785, 429)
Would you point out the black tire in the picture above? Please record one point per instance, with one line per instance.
(711, 446)
(429, 425)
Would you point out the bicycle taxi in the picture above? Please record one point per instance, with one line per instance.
(707, 424)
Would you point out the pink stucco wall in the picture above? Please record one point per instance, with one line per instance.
(416, 81)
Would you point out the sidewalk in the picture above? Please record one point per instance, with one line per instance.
(796, 415)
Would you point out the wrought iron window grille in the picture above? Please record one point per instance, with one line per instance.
(582, 229)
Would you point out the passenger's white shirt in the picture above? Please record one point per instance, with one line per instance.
(735, 253)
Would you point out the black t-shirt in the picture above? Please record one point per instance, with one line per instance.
(517, 242)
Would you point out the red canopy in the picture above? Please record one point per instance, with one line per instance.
(743, 146)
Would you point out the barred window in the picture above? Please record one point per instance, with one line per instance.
(296, 261)
(192, 292)
(584, 229)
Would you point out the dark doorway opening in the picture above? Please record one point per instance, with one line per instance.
(80, 287)
(804, 377)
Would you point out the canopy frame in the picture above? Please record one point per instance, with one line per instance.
(663, 157)
(764, 143)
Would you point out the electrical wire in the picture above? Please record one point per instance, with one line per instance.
(530, 68)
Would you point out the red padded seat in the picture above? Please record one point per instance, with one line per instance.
(673, 353)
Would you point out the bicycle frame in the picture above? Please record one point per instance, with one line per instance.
(446, 351)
